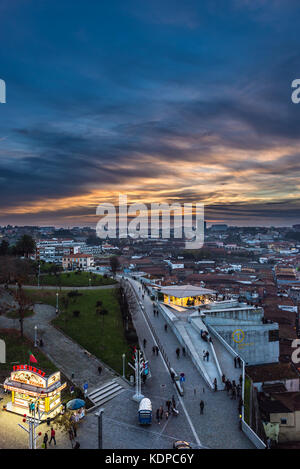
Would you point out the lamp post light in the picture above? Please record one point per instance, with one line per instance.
(39, 275)
(123, 357)
(35, 335)
(33, 422)
(56, 302)
(100, 429)
(90, 282)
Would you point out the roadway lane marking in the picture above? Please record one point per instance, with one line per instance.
(179, 397)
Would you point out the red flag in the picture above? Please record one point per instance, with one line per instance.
(32, 358)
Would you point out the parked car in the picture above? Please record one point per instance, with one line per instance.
(180, 444)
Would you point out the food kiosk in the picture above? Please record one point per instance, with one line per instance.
(29, 384)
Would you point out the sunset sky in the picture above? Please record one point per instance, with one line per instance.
(172, 101)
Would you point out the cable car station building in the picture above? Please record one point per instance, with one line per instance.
(187, 295)
(29, 384)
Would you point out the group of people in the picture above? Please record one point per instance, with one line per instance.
(234, 389)
(155, 312)
(46, 438)
(237, 362)
(205, 355)
(178, 352)
(170, 409)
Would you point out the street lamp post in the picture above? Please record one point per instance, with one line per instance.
(100, 428)
(123, 357)
(33, 422)
(35, 335)
(39, 275)
(56, 302)
(138, 396)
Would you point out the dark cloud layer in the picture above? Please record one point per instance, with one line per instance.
(187, 100)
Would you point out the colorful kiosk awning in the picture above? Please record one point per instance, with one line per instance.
(29, 384)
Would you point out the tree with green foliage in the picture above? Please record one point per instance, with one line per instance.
(25, 245)
(114, 264)
(4, 248)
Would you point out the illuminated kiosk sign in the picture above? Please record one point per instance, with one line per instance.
(31, 385)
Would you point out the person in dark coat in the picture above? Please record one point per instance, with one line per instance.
(201, 407)
(45, 440)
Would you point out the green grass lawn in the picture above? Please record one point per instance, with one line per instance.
(15, 315)
(247, 400)
(72, 279)
(18, 351)
(103, 336)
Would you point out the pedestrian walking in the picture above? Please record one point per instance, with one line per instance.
(144, 343)
(172, 376)
(228, 386)
(71, 436)
(45, 440)
(52, 436)
(207, 355)
(166, 327)
(240, 405)
(215, 385)
(235, 360)
(173, 402)
(161, 412)
(167, 414)
(183, 351)
(168, 404)
(153, 350)
(201, 407)
(204, 355)
(239, 362)
(178, 352)
(157, 350)
(241, 380)
(99, 370)
(157, 416)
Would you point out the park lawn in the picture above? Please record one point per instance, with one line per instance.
(13, 314)
(72, 279)
(247, 397)
(18, 351)
(103, 336)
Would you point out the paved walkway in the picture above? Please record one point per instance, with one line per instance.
(218, 426)
(66, 354)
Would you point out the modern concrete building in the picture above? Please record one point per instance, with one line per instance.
(244, 329)
(187, 295)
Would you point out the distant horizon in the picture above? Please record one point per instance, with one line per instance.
(209, 225)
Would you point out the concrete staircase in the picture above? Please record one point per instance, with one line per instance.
(107, 392)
